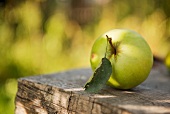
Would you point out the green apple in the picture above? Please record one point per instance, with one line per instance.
(129, 54)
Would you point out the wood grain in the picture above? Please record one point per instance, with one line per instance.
(63, 93)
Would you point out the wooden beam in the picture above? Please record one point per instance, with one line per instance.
(63, 93)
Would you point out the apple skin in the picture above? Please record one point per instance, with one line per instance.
(133, 61)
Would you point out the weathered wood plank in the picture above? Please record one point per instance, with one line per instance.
(62, 93)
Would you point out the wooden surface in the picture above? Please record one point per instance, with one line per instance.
(62, 93)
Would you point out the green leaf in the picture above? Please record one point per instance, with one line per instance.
(100, 77)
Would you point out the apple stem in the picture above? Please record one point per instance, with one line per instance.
(113, 47)
(106, 47)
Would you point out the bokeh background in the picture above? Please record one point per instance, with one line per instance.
(46, 36)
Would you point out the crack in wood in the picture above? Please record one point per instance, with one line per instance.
(92, 105)
(69, 103)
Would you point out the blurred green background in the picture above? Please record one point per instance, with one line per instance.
(45, 36)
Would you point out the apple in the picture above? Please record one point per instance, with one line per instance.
(130, 56)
